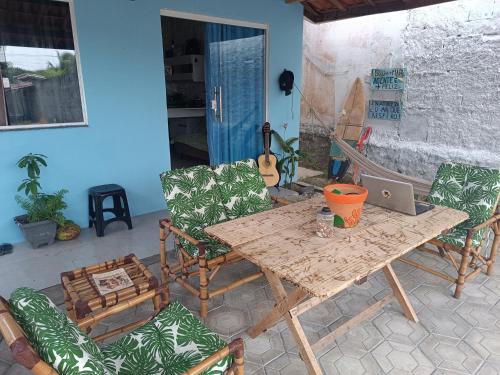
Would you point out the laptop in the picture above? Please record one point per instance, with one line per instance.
(393, 195)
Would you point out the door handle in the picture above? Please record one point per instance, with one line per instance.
(221, 116)
(214, 104)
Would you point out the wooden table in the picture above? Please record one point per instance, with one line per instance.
(283, 242)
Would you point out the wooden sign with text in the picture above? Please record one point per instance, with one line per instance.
(388, 79)
(384, 110)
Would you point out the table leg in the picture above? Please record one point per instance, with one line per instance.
(294, 325)
(283, 306)
(399, 293)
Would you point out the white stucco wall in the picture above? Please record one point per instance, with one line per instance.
(452, 100)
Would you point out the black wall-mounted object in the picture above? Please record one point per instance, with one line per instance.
(286, 81)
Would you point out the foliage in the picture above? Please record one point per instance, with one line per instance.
(44, 207)
(66, 65)
(10, 71)
(287, 163)
(32, 163)
(39, 206)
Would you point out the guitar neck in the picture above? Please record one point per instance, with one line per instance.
(266, 146)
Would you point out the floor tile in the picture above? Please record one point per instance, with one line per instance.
(485, 342)
(394, 326)
(393, 356)
(489, 368)
(335, 362)
(444, 322)
(451, 355)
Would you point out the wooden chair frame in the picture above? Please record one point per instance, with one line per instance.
(24, 354)
(206, 269)
(469, 256)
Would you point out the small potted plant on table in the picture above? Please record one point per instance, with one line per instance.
(44, 212)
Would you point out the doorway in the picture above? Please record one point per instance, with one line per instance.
(215, 75)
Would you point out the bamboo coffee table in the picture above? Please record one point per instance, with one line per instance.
(82, 298)
(284, 244)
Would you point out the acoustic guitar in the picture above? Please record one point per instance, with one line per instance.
(268, 161)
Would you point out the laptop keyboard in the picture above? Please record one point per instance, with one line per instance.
(420, 207)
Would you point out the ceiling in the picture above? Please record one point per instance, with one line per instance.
(319, 11)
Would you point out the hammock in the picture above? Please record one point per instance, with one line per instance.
(420, 186)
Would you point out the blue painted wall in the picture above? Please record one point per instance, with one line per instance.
(126, 141)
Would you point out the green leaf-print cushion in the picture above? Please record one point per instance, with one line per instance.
(243, 190)
(57, 339)
(468, 188)
(194, 201)
(171, 343)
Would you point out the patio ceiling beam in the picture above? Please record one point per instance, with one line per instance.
(309, 11)
(373, 7)
(337, 4)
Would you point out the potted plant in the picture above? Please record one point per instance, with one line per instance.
(44, 212)
(346, 201)
(287, 163)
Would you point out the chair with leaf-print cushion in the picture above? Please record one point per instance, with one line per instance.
(47, 342)
(195, 202)
(475, 190)
(243, 191)
(199, 197)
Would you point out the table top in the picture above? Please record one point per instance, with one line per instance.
(284, 241)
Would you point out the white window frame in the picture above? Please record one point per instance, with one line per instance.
(234, 22)
(80, 82)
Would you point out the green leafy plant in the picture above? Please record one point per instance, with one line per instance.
(32, 163)
(44, 207)
(38, 205)
(287, 163)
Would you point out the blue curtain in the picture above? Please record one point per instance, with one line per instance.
(235, 69)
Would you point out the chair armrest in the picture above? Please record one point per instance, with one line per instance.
(487, 223)
(167, 224)
(97, 317)
(235, 347)
(280, 201)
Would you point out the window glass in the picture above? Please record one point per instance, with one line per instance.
(38, 64)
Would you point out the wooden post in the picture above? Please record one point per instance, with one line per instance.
(237, 348)
(163, 255)
(463, 265)
(203, 281)
(494, 248)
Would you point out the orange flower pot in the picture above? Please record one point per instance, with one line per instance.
(346, 201)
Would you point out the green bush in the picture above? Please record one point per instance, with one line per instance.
(39, 206)
(44, 207)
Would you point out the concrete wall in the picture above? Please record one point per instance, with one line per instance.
(126, 141)
(49, 101)
(452, 101)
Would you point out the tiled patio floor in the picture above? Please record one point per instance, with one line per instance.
(453, 337)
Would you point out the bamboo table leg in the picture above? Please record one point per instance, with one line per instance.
(399, 293)
(295, 327)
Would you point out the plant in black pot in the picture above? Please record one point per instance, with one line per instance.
(44, 212)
